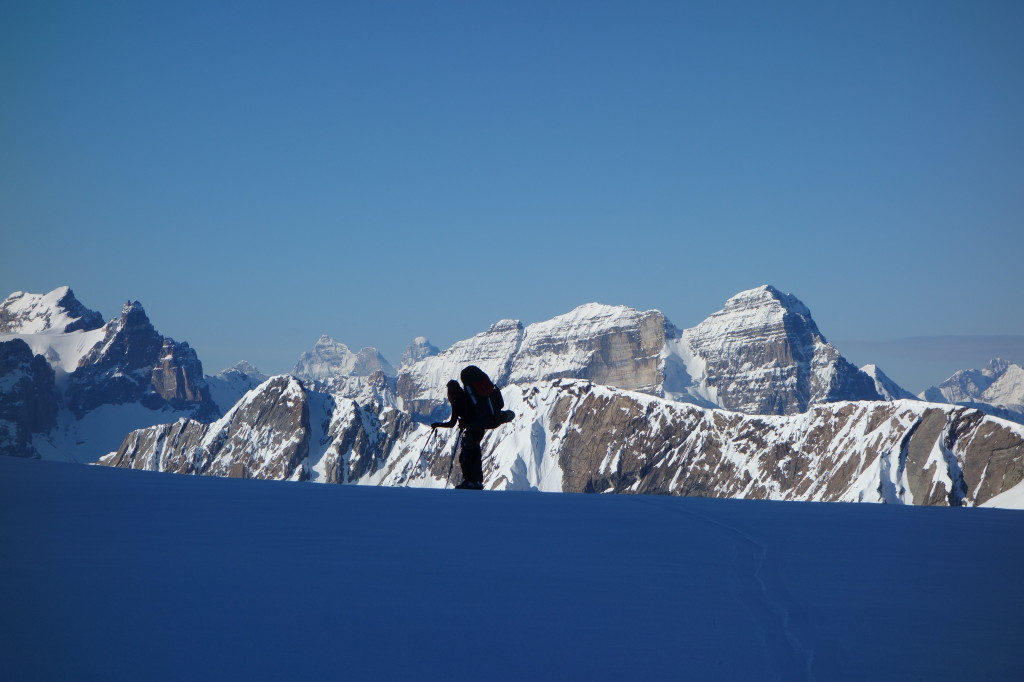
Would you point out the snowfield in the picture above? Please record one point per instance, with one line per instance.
(112, 574)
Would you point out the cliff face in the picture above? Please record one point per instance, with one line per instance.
(575, 436)
(896, 452)
(612, 345)
(134, 363)
(28, 398)
(266, 435)
(763, 354)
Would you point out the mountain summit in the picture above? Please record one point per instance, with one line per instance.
(763, 354)
(997, 388)
(329, 360)
(58, 311)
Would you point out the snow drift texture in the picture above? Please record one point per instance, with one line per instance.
(120, 575)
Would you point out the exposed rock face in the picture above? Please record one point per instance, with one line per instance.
(358, 441)
(280, 430)
(421, 386)
(266, 435)
(613, 345)
(575, 436)
(329, 360)
(58, 311)
(418, 350)
(605, 440)
(134, 363)
(763, 354)
(28, 398)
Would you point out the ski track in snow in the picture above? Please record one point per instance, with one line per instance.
(760, 587)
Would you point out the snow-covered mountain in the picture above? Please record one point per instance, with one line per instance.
(614, 414)
(576, 436)
(99, 381)
(228, 386)
(886, 387)
(614, 345)
(328, 360)
(998, 388)
(55, 325)
(57, 312)
(419, 349)
(134, 363)
(763, 354)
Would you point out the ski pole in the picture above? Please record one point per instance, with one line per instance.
(451, 465)
(419, 463)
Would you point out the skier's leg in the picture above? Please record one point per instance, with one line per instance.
(472, 465)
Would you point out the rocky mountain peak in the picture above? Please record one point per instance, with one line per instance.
(615, 345)
(505, 326)
(234, 382)
(419, 349)
(767, 297)
(763, 354)
(133, 362)
(329, 360)
(886, 387)
(760, 308)
(244, 368)
(999, 383)
(28, 398)
(57, 311)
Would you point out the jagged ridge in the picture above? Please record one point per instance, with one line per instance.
(575, 436)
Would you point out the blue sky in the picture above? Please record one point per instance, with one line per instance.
(258, 174)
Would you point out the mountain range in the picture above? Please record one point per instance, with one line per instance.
(751, 402)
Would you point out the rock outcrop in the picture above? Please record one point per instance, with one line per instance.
(28, 398)
(133, 363)
(763, 354)
(613, 345)
(266, 435)
(576, 436)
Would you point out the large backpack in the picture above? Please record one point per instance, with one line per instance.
(485, 401)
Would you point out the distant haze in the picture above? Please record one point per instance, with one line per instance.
(922, 361)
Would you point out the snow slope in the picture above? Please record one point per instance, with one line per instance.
(113, 574)
(576, 436)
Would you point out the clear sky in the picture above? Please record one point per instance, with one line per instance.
(258, 174)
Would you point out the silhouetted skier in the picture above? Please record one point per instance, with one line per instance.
(475, 408)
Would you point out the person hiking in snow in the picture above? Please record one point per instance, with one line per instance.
(476, 408)
(470, 457)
